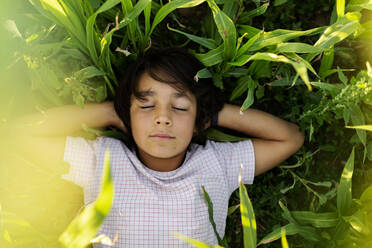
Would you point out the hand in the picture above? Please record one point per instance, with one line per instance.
(114, 118)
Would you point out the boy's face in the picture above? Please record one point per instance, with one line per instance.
(162, 124)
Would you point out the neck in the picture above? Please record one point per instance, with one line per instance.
(161, 164)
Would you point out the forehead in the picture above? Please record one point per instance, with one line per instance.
(148, 86)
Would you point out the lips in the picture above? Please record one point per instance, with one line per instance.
(162, 136)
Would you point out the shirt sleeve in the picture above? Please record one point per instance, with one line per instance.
(82, 155)
(231, 156)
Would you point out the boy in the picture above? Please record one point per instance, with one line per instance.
(159, 171)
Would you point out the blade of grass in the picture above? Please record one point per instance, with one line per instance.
(344, 196)
(340, 6)
(210, 214)
(195, 242)
(85, 226)
(247, 215)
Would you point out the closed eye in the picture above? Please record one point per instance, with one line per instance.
(181, 109)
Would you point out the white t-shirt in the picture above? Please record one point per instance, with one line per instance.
(150, 205)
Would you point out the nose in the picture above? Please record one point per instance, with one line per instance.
(162, 117)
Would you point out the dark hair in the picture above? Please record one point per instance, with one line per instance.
(176, 67)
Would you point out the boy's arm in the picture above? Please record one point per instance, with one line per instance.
(40, 137)
(275, 141)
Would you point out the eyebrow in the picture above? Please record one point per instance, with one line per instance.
(143, 94)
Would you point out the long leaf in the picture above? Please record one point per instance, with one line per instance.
(362, 127)
(210, 213)
(296, 47)
(344, 196)
(318, 220)
(327, 62)
(241, 87)
(92, 36)
(85, 226)
(212, 57)
(208, 43)
(308, 233)
(300, 67)
(338, 31)
(281, 35)
(195, 242)
(169, 7)
(247, 215)
(226, 29)
(249, 43)
(247, 16)
(340, 7)
(252, 85)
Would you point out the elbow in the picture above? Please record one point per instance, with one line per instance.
(299, 139)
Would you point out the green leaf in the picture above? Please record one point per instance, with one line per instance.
(127, 7)
(249, 30)
(252, 85)
(333, 89)
(318, 220)
(342, 76)
(296, 47)
(300, 67)
(249, 43)
(232, 209)
(338, 31)
(281, 35)
(169, 7)
(212, 57)
(85, 226)
(308, 233)
(357, 118)
(89, 72)
(286, 214)
(242, 86)
(236, 72)
(284, 238)
(247, 215)
(246, 17)
(226, 29)
(92, 36)
(344, 196)
(204, 73)
(358, 222)
(195, 242)
(362, 127)
(327, 62)
(366, 195)
(358, 5)
(340, 6)
(210, 213)
(147, 13)
(208, 43)
(105, 58)
(279, 2)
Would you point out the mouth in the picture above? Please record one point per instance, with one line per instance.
(162, 136)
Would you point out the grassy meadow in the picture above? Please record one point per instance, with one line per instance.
(308, 62)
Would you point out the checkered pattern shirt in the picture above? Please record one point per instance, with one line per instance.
(150, 205)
